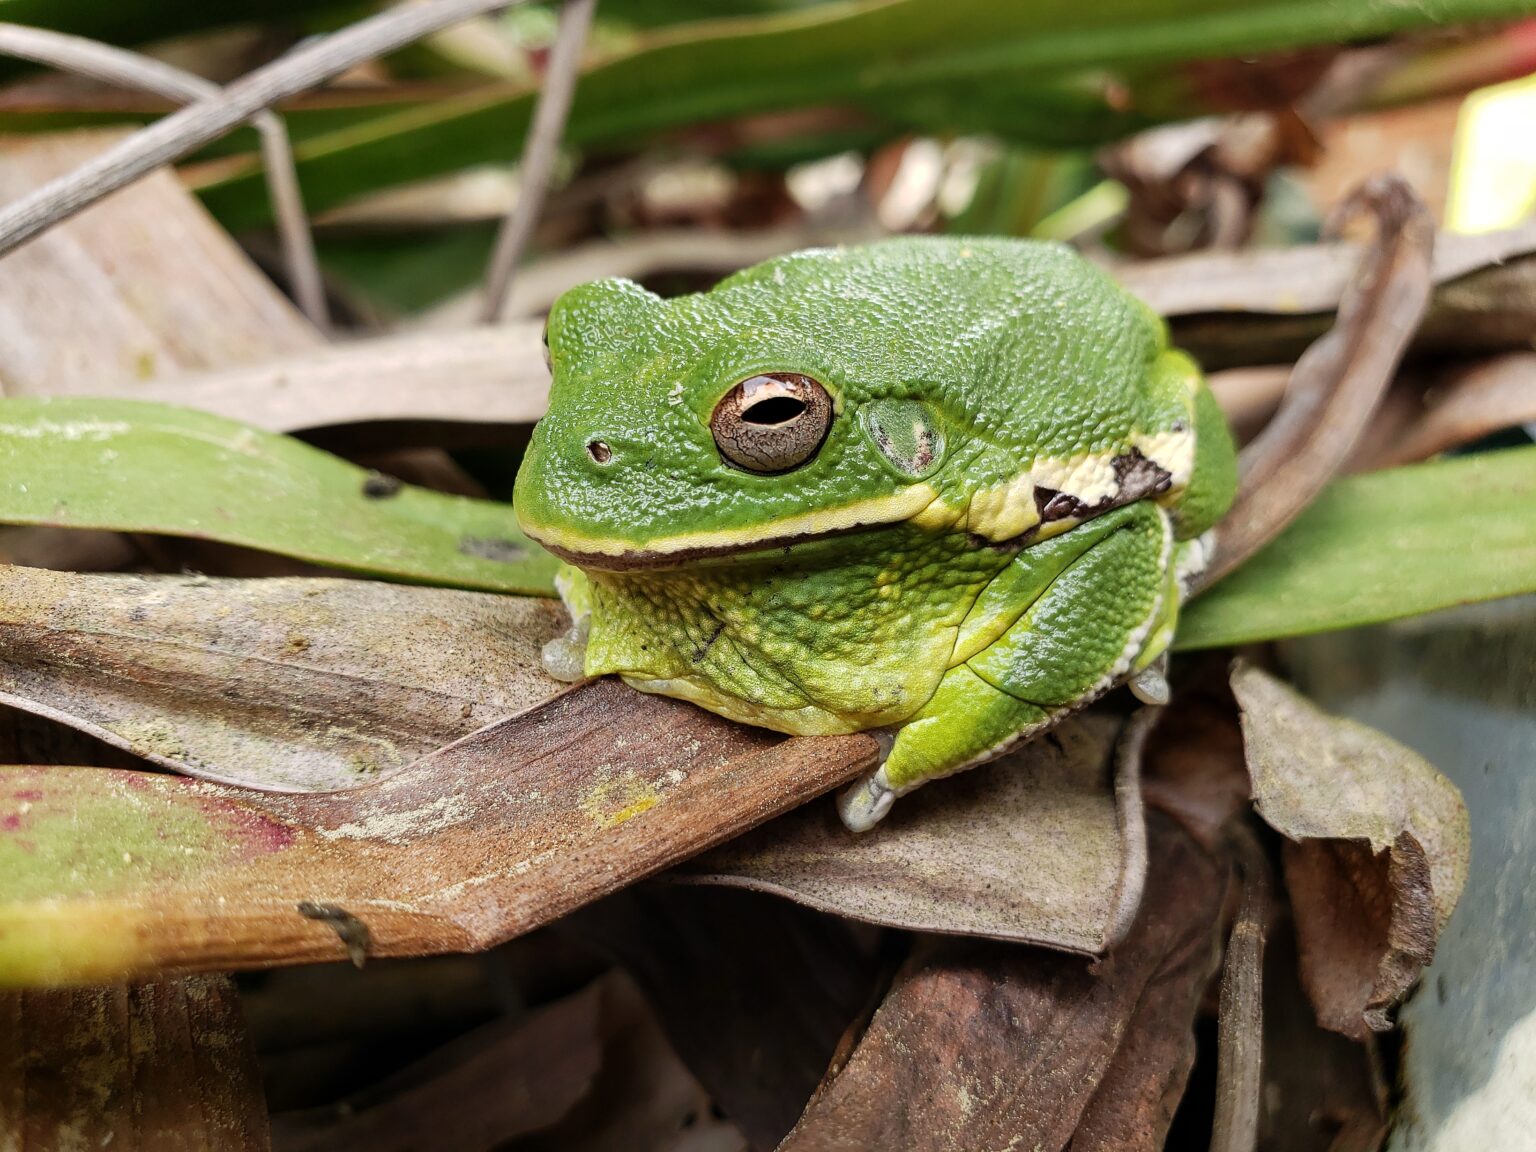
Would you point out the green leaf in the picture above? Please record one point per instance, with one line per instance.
(1383, 546)
(78, 462)
(1031, 71)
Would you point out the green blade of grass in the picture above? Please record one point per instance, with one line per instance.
(125, 465)
(1031, 71)
(1382, 546)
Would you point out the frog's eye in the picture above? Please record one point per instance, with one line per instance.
(549, 362)
(773, 422)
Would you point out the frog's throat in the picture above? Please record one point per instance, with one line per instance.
(619, 555)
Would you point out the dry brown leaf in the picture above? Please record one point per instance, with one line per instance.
(1306, 279)
(144, 284)
(984, 1045)
(1194, 767)
(487, 375)
(644, 1098)
(1249, 396)
(1318, 1086)
(287, 684)
(1497, 394)
(133, 874)
(1034, 847)
(754, 992)
(143, 1066)
(491, 1085)
(1376, 854)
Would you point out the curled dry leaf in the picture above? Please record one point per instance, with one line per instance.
(1497, 394)
(1194, 767)
(1034, 847)
(1338, 381)
(498, 1082)
(982, 1045)
(183, 473)
(1249, 396)
(286, 684)
(1376, 850)
(106, 875)
(149, 1066)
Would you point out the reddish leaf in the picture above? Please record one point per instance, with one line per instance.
(106, 874)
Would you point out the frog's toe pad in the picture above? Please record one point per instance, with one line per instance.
(1150, 685)
(864, 803)
(564, 656)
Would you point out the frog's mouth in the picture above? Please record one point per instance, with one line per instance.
(615, 554)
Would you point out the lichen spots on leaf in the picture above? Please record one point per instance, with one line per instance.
(617, 797)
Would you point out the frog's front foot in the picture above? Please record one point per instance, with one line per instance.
(864, 803)
(1150, 685)
(1107, 612)
(565, 656)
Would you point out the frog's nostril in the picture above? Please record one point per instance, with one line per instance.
(599, 451)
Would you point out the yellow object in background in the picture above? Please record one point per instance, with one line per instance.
(1493, 174)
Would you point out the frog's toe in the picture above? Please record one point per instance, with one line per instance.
(565, 656)
(1150, 685)
(864, 803)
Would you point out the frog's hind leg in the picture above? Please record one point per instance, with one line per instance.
(1085, 631)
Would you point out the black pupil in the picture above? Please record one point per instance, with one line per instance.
(774, 410)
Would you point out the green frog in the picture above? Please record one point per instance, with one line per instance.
(946, 489)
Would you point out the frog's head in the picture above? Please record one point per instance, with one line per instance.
(725, 422)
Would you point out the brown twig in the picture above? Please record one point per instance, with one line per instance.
(131, 70)
(539, 153)
(1240, 1043)
(1338, 381)
(197, 124)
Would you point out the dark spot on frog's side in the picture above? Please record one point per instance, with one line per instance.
(703, 649)
(493, 548)
(1053, 505)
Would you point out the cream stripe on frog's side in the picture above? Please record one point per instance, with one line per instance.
(907, 504)
(1006, 511)
(997, 513)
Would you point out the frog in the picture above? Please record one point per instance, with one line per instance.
(947, 490)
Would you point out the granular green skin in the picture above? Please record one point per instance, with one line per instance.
(834, 635)
(1016, 468)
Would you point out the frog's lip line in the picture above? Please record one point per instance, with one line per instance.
(589, 552)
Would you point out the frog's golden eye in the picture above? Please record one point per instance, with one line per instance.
(773, 422)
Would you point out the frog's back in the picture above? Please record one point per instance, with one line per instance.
(1029, 342)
